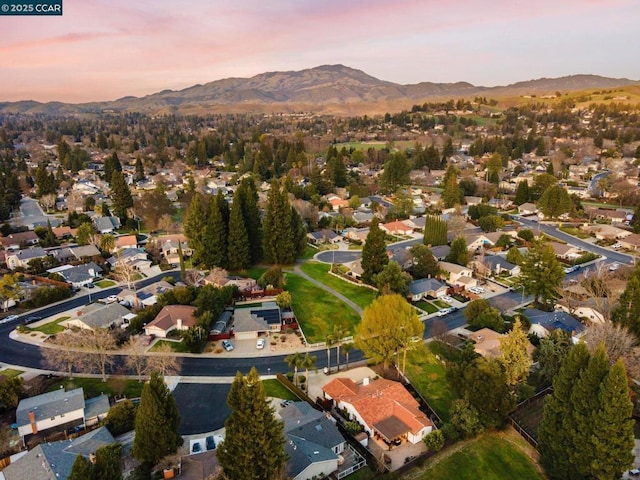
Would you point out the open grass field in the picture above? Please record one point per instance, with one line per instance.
(491, 456)
(273, 388)
(428, 376)
(52, 327)
(362, 296)
(105, 283)
(178, 347)
(316, 310)
(95, 386)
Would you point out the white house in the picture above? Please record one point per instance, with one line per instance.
(49, 410)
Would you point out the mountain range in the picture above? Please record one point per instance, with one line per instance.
(324, 89)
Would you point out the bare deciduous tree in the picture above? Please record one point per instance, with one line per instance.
(48, 201)
(439, 330)
(163, 361)
(617, 340)
(101, 345)
(136, 360)
(64, 356)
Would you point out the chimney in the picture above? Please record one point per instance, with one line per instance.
(365, 381)
(78, 313)
(32, 421)
(179, 324)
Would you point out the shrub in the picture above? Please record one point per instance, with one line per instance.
(353, 428)
(434, 441)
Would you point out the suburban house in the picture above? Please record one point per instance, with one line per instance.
(606, 232)
(21, 258)
(566, 251)
(632, 242)
(170, 247)
(171, 317)
(323, 236)
(145, 296)
(543, 323)
(385, 408)
(396, 228)
(362, 217)
(440, 251)
(475, 241)
(64, 232)
(15, 241)
(487, 343)
(55, 409)
(126, 241)
(98, 315)
(416, 223)
(314, 442)
(78, 275)
(84, 251)
(135, 258)
(498, 264)
(251, 322)
(337, 203)
(219, 281)
(527, 209)
(357, 234)
(54, 460)
(426, 287)
(106, 224)
(459, 276)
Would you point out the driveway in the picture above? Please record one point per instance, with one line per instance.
(202, 406)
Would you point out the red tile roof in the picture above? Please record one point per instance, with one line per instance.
(378, 401)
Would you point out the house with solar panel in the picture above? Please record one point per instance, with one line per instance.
(253, 322)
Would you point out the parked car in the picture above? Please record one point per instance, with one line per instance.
(614, 266)
(260, 343)
(634, 472)
(476, 290)
(111, 299)
(8, 319)
(447, 299)
(226, 344)
(31, 319)
(284, 403)
(90, 285)
(446, 311)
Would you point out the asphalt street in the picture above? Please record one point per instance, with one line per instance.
(31, 215)
(27, 355)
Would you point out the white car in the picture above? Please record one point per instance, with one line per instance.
(260, 343)
(614, 266)
(111, 299)
(616, 246)
(226, 344)
(447, 299)
(446, 311)
(476, 290)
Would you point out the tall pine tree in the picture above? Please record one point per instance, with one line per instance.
(120, 195)
(627, 313)
(374, 253)
(194, 227)
(156, 425)
(280, 242)
(247, 196)
(215, 235)
(239, 248)
(254, 441)
(522, 193)
(435, 231)
(111, 164)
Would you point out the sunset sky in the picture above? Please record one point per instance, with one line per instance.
(106, 49)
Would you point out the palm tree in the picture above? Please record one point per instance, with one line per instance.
(307, 362)
(339, 332)
(346, 348)
(294, 360)
(107, 243)
(329, 343)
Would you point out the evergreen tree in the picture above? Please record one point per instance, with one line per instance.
(541, 273)
(514, 354)
(458, 253)
(49, 239)
(555, 201)
(108, 463)
(435, 231)
(194, 226)
(374, 253)
(239, 254)
(396, 172)
(157, 420)
(81, 469)
(424, 263)
(278, 242)
(514, 256)
(140, 170)
(111, 164)
(452, 194)
(613, 427)
(522, 193)
(215, 235)
(254, 441)
(299, 232)
(553, 434)
(247, 196)
(392, 279)
(627, 313)
(120, 195)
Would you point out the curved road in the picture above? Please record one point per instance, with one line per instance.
(27, 355)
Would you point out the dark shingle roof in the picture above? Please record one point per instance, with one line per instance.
(49, 405)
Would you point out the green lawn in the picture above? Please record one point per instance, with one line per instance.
(492, 456)
(361, 296)
(426, 306)
(308, 253)
(94, 386)
(441, 304)
(10, 372)
(273, 388)
(428, 376)
(51, 328)
(105, 283)
(178, 347)
(576, 232)
(317, 310)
